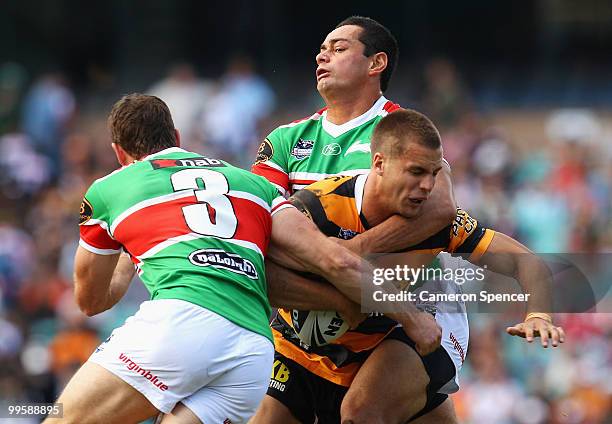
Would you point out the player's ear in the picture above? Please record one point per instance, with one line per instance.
(122, 157)
(178, 137)
(378, 163)
(378, 63)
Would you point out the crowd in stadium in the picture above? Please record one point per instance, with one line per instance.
(554, 194)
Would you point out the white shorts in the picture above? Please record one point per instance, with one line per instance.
(451, 316)
(174, 351)
(455, 338)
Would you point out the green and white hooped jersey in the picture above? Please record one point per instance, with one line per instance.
(310, 149)
(196, 228)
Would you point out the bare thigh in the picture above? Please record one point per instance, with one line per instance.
(443, 414)
(390, 387)
(95, 395)
(272, 411)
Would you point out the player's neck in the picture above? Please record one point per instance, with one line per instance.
(371, 206)
(341, 109)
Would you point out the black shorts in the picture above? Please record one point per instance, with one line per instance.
(309, 396)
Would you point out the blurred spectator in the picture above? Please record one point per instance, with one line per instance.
(445, 99)
(547, 182)
(233, 114)
(48, 109)
(24, 171)
(186, 96)
(74, 343)
(17, 257)
(12, 82)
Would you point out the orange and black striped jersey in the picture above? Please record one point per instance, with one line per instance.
(334, 204)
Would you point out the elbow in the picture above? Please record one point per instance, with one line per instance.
(90, 312)
(84, 301)
(445, 200)
(448, 213)
(85, 306)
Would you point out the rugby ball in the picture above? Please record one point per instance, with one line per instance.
(318, 328)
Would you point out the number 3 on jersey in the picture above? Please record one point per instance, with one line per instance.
(214, 214)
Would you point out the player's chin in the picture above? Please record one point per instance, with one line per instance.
(411, 209)
(325, 84)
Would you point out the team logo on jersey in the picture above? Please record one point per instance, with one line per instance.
(196, 161)
(332, 149)
(302, 149)
(86, 212)
(221, 259)
(265, 152)
(359, 146)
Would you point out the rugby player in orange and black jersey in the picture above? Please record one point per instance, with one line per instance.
(317, 381)
(323, 374)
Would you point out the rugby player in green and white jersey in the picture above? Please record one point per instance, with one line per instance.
(197, 230)
(354, 67)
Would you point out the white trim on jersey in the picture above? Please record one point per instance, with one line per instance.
(359, 189)
(164, 152)
(279, 204)
(337, 130)
(314, 117)
(194, 236)
(273, 165)
(93, 221)
(281, 189)
(179, 195)
(315, 176)
(250, 196)
(97, 251)
(150, 202)
(102, 224)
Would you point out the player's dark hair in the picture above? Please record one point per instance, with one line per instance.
(396, 130)
(376, 38)
(141, 125)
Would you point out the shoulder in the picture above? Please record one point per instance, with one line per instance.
(300, 123)
(336, 184)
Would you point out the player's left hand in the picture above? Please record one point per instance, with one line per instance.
(538, 327)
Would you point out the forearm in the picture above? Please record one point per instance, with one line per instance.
(314, 252)
(287, 289)
(535, 279)
(120, 282)
(99, 287)
(509, 257)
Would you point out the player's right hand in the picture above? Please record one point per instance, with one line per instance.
(425, 332)
(352, 314)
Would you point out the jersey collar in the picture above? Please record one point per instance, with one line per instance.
(337, 130)
(359, 188)
(164, 152)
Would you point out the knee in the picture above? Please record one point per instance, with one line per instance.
(356, 412)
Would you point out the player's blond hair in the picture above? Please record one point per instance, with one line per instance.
(396, 130)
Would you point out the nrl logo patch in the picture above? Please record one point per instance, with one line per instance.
(86, 212)
(265, 152)
(346, 234)
(302, 149)
(332, 149)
